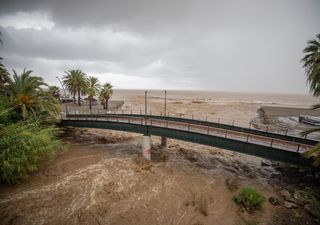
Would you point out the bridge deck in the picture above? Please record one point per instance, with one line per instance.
(253, 144)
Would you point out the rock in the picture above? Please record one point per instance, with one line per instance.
(265, 163)
(301, 197)
(313, 210)
(274, 201)
(290, 205)
(286, 195)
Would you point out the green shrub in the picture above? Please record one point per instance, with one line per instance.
(249, 198)
(22, 147)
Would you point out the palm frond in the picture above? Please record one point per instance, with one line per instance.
(309, 131)
(314, 153)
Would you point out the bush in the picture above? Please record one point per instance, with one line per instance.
(249, 198)
(22, 147)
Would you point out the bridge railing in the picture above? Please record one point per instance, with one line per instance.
(202, 129)
(276, 129)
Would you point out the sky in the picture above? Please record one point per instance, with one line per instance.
(218, 45)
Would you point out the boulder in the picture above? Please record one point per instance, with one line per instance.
(265, 163)
(274, 201)
(301, 197)
(286, 195)
(290, 205)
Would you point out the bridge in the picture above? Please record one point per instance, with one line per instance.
(247, 140)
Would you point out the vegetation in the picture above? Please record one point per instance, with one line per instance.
(28, 98)
(105, 94)
(25, 138)
(4, 75)
(311, 64)
(55, 92)
(249, 198)
(93, 89)
(23, 145)
(76, 82)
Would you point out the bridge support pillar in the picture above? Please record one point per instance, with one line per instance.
(164, 141)
(146, 147)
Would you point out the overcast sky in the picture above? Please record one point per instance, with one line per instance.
(235, 45)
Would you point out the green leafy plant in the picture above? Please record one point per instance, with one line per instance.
(249, 198)
(23, 146)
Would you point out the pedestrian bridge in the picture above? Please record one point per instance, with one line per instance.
(265, 144)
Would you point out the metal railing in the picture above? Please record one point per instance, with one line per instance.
(199, 129)
(272, 129)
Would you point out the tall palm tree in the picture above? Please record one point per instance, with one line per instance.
(93, 89)
(105, 94)
(29, 98)
(311, 65)
(76, 81)
(68, 81)
(54, 91)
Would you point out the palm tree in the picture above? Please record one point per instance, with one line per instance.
(105, 94)
(4, 74)
(68, 81)
(311, 65)
(28, 97)
(55, 91)
(76, 81)
(93, 89)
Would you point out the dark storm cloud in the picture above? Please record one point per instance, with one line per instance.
(218, 45)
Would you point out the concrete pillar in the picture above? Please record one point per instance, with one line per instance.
(164, 141)
(146, 147)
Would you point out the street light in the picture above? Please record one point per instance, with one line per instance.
(165, 104)
(145, 104)
(64, 93)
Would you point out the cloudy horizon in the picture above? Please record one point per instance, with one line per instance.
(239, 46)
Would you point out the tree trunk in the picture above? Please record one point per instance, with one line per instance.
(74, 98)
(90, 104)
(79, 98)
(107, 107)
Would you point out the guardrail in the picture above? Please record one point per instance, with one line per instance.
(234, 122)
(221, 132)
(249, 128)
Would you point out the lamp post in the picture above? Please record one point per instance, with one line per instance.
(165, 104)
(145, 104)
(164, 139)
(64, 93)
